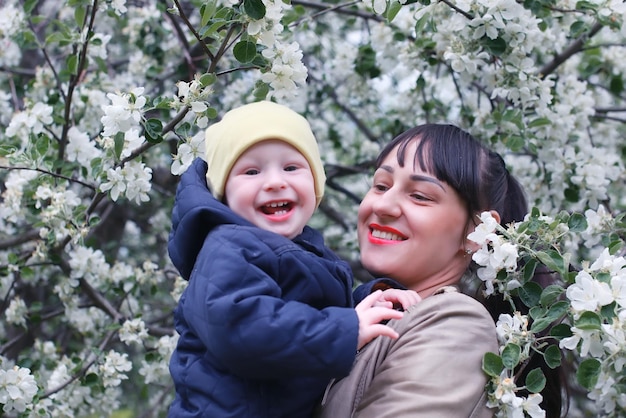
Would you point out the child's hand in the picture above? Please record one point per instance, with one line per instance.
(370, 315)
(397, 297)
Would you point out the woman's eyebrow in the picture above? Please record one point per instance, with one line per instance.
(419, 177)
(416, 177)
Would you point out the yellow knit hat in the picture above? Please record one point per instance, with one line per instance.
(242, 127)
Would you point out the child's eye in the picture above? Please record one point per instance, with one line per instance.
(251, 172)
(291, 168)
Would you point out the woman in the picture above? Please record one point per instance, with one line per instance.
(430, 185)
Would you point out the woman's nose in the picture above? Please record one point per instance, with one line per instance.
(386, 204)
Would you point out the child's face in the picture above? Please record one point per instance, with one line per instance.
(271, 185)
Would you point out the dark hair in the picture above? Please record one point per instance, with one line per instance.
(476, 173)
(480, 177)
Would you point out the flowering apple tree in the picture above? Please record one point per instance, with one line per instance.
(104, 102)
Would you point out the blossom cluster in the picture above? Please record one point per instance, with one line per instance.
(494, 255)
(287, 72)
(17, 388)
(594, 312)
(600, 333)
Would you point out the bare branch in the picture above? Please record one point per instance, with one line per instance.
(56, 175)
(31, 235)
(574, 48)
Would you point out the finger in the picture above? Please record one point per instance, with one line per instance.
(409, 298)
(368, 301)
(372, 331)
(369, 332)
(383, 304)
(383, 330)
(376, 314)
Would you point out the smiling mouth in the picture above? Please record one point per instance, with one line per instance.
(386, 235)
(277, 208)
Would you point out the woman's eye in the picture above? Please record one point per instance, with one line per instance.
(420, 197)
(380, 187)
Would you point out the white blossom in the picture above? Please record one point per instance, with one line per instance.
(125, 111)
(133, 331)
(80, 148)
(132, 180)
(192, 148)
(114, 368)
(588, 294)
(17, 389)
(17, 312)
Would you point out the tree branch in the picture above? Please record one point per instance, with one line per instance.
(574, 48)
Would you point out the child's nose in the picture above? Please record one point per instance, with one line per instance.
(275, 180)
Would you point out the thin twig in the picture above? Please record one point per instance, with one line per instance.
(50, 173)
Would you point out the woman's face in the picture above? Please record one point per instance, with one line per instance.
(412, 227)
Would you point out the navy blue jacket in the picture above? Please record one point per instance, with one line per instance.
(265, 321)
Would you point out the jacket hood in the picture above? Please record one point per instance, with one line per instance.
(196, 213)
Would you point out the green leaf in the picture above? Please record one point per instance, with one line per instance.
(261, 90)
(119, 144)
(245, 51)
(254, 8)
(392, 10)
(552, 356)
(617, 84)
(211, 113)
(588, 373)
(208, 79)
(29, 5)
(514, 142)
(535, 381)
(494, 46)
(511, 355)
(588, 321)
(561, 331)
(6, 149)
(572, 194)
(553, 260)
(537, 312)
(535, 123)
(42, 145)
(608, 312)
(577, 222)
(365, 62)
(530, 293)
(529, 270)
(72, 64)
(207, 11)
(421, 23)
(153, 131)
(79, 15)
(553, 313)
(91, 379)
(577, 28)
(551, 294)
(492, 364)
(211, 29)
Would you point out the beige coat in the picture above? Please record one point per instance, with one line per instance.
(433, 370)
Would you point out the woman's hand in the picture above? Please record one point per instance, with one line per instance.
(370, 314)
